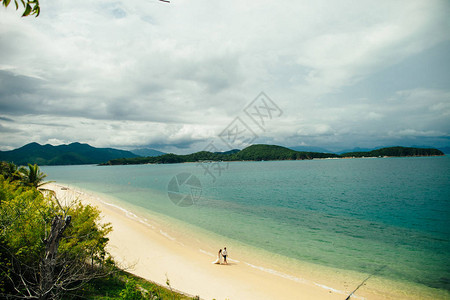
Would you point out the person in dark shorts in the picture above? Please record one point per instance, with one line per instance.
(224, 254)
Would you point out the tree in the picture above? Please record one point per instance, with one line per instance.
(9, 171)
(32, 176)
(31, 6)
(47, 251)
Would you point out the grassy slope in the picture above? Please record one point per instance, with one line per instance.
(112, 287)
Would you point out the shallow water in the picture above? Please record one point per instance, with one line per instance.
(351, 214)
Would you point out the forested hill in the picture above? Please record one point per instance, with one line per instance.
(254, 152)
(396, 151)
(72, 154)
(270, 152)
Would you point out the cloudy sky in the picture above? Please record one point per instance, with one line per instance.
(174, 77)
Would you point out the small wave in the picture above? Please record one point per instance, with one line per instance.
(144, 221)
(206, 252)
(277, 273)
(133, 216)
(167, 235)
(334, 290)
(127, 212)
(300, 280)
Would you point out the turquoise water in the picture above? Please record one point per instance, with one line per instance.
(353, 214)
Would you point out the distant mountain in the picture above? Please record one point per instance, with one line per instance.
(145, 152)
(72, 154)
(229, 151)
(310, 149)
(357, 149)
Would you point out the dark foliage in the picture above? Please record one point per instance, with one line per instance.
(395, 151)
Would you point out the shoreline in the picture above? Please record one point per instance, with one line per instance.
(156, 248)
(307, 159)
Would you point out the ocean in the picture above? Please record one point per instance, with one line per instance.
(389, 216)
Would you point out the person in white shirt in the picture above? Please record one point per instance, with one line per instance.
(224, 254)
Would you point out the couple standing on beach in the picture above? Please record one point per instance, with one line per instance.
(222, 253)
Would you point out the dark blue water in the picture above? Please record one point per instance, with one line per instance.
(354, 214)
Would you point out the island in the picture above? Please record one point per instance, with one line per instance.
(271, 152)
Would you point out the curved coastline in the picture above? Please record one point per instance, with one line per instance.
(166, 248)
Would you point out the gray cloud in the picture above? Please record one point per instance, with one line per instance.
(174, 76)
(8, 129)
(6, 119)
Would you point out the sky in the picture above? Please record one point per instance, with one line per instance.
(191, 75)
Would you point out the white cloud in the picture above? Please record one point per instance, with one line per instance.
(108, 71)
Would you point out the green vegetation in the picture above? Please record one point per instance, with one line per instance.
(46, 250)
(9, 171)
(254, 152)
(28, 176)
(272, 152)
(32, 176)
(123, 285)
(395, 151)
(269, 152)
(72, 154)
(50, 251)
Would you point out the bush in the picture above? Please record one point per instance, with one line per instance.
(47, 250)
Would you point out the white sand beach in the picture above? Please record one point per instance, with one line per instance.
(153, 253)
